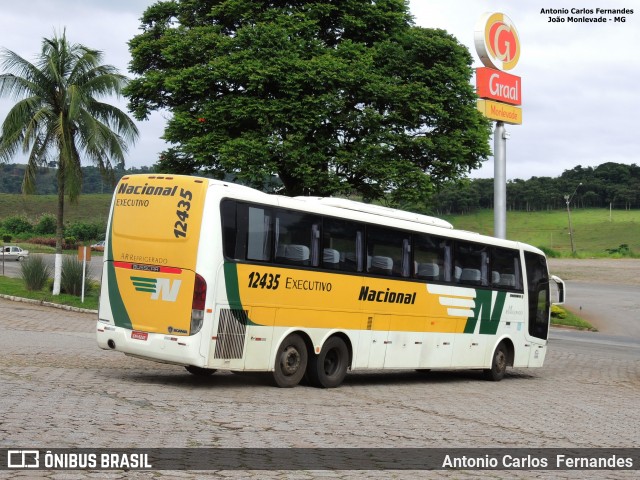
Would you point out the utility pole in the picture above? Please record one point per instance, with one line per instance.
(568, 198)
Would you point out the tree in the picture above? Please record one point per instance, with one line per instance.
(332, 97)
(58, 116)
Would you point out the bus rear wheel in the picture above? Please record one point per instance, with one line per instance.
(329, 367)
(291, 362)
(498, 364)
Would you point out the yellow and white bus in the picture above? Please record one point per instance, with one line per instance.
(217, 276)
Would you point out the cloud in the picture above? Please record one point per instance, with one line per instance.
(578, 83)
(104, 25)
(579, 91)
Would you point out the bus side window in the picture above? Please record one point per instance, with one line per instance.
(259, 229)
(297, 238)
(229, 229)
(505, 269)
(235, 226)
(471, 263)
(340, 245)
(429, 257)
(387, 252)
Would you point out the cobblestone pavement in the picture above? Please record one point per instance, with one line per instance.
(59, 390)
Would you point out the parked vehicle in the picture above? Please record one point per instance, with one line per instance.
(98, 247)
(12, 252)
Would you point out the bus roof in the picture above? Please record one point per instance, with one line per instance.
(377, 210)
(327, 204)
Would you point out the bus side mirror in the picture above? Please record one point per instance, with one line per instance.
(561, 289)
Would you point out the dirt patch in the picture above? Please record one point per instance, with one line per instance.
(625, 271)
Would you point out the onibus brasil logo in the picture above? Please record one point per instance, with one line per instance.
(160, 288)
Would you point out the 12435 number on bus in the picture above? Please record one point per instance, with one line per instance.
(264, 280)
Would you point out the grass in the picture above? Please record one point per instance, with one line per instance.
(90, 208)
(594, 230)
(571, 320)
(15, 287)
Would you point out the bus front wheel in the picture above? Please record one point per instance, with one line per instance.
(329, 367)
(291, 362)
(498, 364)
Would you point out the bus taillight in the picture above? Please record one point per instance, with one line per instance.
(197, 305)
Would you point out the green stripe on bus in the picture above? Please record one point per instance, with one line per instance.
(118, 310)
(233, 289)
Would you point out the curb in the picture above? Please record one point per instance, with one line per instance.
(48, 304)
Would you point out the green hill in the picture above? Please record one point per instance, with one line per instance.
(594, 230)
(91, 208)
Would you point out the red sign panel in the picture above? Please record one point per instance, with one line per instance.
(500, 86)
(136, 335)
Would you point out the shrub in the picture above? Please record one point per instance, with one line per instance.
(69, 243)
(6, 238)
(622, 251)
(48, 241)
(558, 312)
(71, 281)
(17, 224)
(85, 231)
(46, 225)
(35, 272)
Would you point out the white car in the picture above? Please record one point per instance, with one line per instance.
(11, 252)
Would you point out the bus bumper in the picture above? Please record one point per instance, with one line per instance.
(164, 348)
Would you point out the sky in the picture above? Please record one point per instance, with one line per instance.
(580, 99)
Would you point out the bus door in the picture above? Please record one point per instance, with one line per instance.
(539, 303)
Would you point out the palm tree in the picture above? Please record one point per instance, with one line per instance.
(58, 117)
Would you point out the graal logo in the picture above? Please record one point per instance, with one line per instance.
(23, 459)
(160, 288)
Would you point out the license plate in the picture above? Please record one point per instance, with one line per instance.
(139, 335)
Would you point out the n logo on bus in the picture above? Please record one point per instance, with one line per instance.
(476, 305)
(160, 288)
(489, 317)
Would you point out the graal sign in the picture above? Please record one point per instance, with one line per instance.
(498, 47)
(497, 41)
(497, 85)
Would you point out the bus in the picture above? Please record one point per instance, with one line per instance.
(211, 275)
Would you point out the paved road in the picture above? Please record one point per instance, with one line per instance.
(612, 309)
(603, 291)
(59, 390)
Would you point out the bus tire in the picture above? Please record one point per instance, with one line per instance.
(329, 367)
(199, 371)
(291, 362)
(498, 364)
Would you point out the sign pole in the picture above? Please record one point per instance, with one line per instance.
(500, 181)
(83, 256)
(498, 46)
(84, 271)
